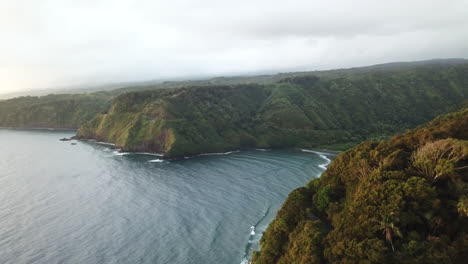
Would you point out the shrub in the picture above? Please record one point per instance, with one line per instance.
(438, 159)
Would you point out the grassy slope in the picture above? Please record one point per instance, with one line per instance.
(300, 111)
(408, 193)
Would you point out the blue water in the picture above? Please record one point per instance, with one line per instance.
(64, 203)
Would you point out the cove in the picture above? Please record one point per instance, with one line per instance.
(86, 203)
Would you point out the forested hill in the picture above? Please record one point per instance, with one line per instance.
(402, 200)
(52, 111)
(299, 111)
(332, 109)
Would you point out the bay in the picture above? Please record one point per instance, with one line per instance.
(87, 203)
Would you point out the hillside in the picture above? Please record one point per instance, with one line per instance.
(88, 100)
(52, 111)
(299, 111)
(402, 200)
(332, 109)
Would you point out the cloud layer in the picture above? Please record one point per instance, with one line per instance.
(52, 43)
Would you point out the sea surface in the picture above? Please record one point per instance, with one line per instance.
(88, 203)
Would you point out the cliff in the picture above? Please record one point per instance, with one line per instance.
(333, 112)
(401, 200)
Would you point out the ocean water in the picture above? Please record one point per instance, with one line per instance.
(88, 203)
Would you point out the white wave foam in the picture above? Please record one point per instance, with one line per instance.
(156, 160)
(308, 150)
(324, 165)
(103, 143)
(230, 152)
(118, 153)
(259, 149)
(321, 155)
(252, 230)
(218, 153)
(148, 153)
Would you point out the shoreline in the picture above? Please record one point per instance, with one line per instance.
(323, 151)
(162, 156)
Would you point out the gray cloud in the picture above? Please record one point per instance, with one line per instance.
(67, 42)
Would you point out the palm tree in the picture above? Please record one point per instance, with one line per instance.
(389, 229)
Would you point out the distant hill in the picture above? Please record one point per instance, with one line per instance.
(52, 111)
(331, 109)
(122, 87)
(328, 110)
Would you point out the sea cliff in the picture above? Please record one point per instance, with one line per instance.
(401, 200)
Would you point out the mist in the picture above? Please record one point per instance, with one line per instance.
(52, 43)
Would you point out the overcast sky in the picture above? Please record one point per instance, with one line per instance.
(51, 43)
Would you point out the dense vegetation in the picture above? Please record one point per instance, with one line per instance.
(331, 111)
(401, 200)
(52, 111)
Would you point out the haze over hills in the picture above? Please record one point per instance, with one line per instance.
(330, 109)
(78, 89)
(220, 80)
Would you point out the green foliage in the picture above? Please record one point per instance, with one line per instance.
(462, 206)
(335, 109)
(437, 159)
(323, 198)
(289, 216)
(381, 207)
(52, 111)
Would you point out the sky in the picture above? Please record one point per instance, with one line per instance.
(59, 43)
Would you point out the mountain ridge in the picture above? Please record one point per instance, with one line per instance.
(301, 111)
(327, 109)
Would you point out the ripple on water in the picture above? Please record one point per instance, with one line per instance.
(75, 204)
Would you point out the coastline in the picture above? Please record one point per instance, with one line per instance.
(163, 156)
(122, 151)
(322, 151)
(324, 155)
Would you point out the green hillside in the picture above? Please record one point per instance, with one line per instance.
(52, 111)
(299, 111)
(330, 109)
(402, 200)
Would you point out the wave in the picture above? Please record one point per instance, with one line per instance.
(156, 160)
(118, 153)
(148, 153)
(321, 155)
(218, 153)
(260, 149)
(254, 238)
(100, 142)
